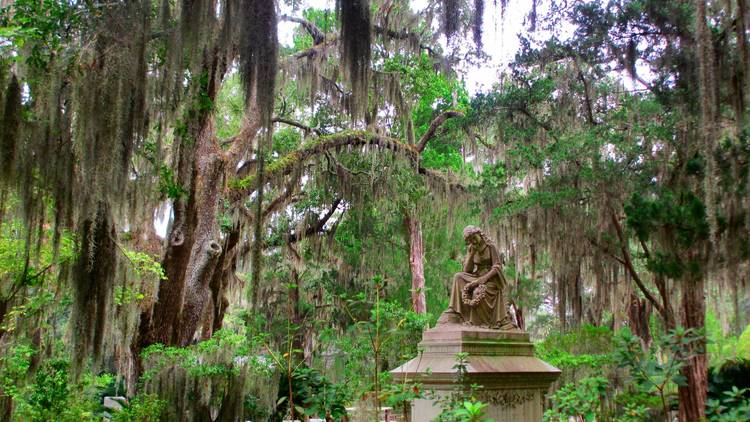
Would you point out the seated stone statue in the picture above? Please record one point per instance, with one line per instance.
(477, 294)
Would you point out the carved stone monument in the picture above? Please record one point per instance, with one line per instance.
(513, 382)
(500, 357)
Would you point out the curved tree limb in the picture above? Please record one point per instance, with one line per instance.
(631, 269)
(318, 226)
(305, 128)
(317, 35)
(434, 125)
(286, 164)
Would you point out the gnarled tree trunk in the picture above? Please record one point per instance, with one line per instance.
(416, 263)
(693, 395)
(193, 248)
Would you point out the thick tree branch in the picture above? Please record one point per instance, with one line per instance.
(434, 125)
(631, 269)
(586, 93)
(318, 226)
(317, 35)
(606, 250)
(306, 129)
(528, 114)
(285, 165)
(404, 35)
(284, 198)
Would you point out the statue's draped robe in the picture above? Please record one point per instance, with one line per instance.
(491, 311)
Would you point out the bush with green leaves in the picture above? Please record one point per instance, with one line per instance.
(650, 376)
(142, 408)
(318, 395)
(55, 396)
(656, 373)
(582, 399)
(733, 406)
(585, 350)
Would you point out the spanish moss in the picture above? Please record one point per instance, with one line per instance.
(356, 36)
(259, 55)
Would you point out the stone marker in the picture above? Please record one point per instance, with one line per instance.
(513, 382)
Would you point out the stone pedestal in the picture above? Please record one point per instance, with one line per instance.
(513, 382)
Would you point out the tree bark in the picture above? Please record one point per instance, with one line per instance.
(416, 263)
(193, 249)
(692, 397)
(639, 313)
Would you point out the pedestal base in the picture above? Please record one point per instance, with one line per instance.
(513, 382)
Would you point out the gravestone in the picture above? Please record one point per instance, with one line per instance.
(513, 381)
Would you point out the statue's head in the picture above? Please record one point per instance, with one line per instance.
(473, 235)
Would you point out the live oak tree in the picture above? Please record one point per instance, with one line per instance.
(356, 152)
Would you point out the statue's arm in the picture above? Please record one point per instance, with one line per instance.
(497, 265)
(469, 261)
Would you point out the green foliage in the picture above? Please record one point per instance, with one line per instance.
(286, 140)
(13, 251)
(587, 347)
(582, 399)
(461, 405)
(434, 93)
(54, 397)
(471, 411)
(49, 396)
(683, 212)
(401, 395)
(517, 201)
(230, 108)
(657, 373)
(646, 368)
(144, 264)
(168, 185)
(127, 295)
(212, 357)
(14, 365)
(254, 408)
(142, 408)
(325, 20)
(320, 397)
(39, 26)
(734, 406)
(652, 375)
(722, 347)
(743, 344)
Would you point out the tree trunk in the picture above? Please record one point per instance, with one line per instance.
(736, 307)
(561, 302)
(416, 263)
(576, 301)
(692, 396)
(520, 320)
(223, 275)
(193, 249)
(639, 314)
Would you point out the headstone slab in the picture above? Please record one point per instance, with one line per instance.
(513, 381)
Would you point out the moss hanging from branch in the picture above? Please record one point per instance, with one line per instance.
(93, 284)
(707, 91)
(354, 16)
(477, 24)
(195, 20)
(259, 55)
(9, 127)
(451, 16)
